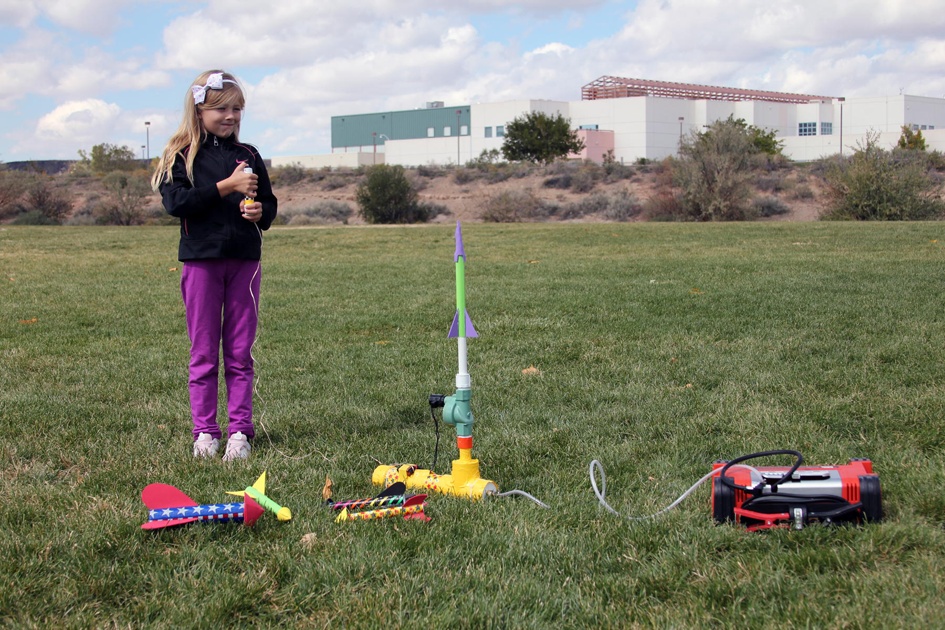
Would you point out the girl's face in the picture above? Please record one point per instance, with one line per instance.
(221, 121)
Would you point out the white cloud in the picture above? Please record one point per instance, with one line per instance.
(89, 118)
(306, 60)
(18, 14)
(95, 17)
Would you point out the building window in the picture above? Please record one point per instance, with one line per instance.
(464, 130)
(488, 132)
(430, 132)
(499, 131)
(807, 129)
(447, 131)
(826, 129)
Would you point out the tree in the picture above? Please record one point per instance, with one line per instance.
(106, 158)
(713, 171)
(387, 196)
(911, 139)
(540, 138)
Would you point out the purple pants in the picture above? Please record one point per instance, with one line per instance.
(221, 299)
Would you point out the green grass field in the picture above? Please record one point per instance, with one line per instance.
(658, 348)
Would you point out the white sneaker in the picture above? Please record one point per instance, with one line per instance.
(206, 445)
(237, 447)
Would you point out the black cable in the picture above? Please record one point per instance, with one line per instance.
(436, 400)
(436, 447)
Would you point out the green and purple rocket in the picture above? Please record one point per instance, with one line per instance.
(464, 480)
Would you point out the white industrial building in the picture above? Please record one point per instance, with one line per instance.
(635, 119)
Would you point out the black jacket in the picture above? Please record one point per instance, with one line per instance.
(211, 226)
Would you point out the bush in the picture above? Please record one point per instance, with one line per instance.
(12, 186)
(33, 217)
(622, 206)
(328, 211)
(586, 178)
(288, 174)
(802, 191)
(769, 207)
(431, 171)
(42, 198)
(769, 183)
(878, 185)
(665, 205)
(334, 182)
(713, 172)
(515, 206)
(464, 176)
(387, 196)
(561, 181)
(129, 193)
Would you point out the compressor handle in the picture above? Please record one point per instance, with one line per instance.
(727, 481)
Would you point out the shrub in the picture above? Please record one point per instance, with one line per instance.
(665, 205)
(42, 198)
(875, 184)
(288, 175)
(464, 176)
(802, 191)
(769, 206)
(334, 182)
(431, 171)
(328, 211)
(12, 186)
(769, 183)
(128, 194)
(713, 172)
(586, 178)
(561, 181)
(386, 196)
(33, 217)
(622, 206)
(511, 206)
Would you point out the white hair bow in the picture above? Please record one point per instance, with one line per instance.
(214, 82)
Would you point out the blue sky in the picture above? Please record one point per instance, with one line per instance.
(76, 73)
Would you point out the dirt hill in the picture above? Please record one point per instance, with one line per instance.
(564, 191)
(468, 194)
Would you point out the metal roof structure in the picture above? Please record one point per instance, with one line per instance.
(618, 87)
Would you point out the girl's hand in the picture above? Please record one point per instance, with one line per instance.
(251, 210)
(238, 181)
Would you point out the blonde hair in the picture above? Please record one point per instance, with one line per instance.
(190, 134)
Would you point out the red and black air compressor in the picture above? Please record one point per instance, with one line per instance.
(764, 497)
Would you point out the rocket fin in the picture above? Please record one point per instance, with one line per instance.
(157, 496)
(167, 523)
(454, 327)
(251, 511)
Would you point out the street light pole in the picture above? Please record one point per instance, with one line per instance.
(841, 99)
(681, 119)
(147, 138)
(459, 112)
(374, 136)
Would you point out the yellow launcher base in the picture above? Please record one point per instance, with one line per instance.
(463, 482)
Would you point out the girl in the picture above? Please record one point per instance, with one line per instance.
(219, 189)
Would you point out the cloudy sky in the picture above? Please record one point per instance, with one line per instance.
(76, 73)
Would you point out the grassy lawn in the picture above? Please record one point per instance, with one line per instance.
(658, 348)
